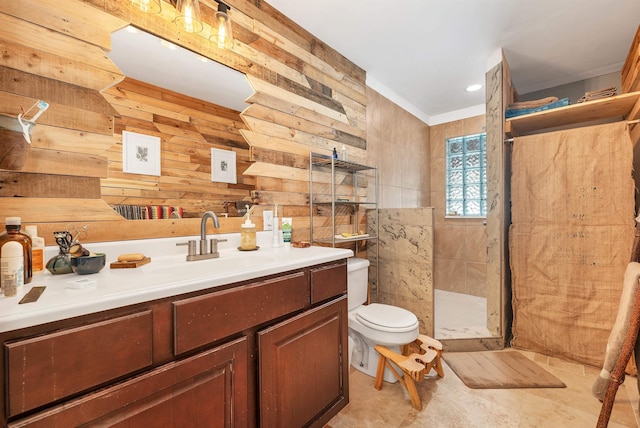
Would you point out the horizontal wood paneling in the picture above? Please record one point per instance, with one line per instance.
(16, 184)
(308, 97)
(47, 210)
(79, 61)
(58, 162)
(67, 18)
(103, 230)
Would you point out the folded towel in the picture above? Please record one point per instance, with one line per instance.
(532, 104)
(519, 112)
(619, 330)
(599, 93)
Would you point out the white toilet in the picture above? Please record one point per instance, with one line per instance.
(374, 324)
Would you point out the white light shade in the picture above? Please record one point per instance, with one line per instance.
(188, 17)
(148, 6)
(473, 88)
(221, 31)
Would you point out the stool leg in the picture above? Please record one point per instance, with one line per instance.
(380, 372)
(413, 393)
(438, 365)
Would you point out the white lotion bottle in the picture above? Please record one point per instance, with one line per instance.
(37, 249)
(12, 268)
(276, 229)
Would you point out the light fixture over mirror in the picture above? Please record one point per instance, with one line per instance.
(188, 17)
(147, 6)
(221, 32)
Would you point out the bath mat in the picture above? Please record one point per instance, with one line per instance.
(499, 370)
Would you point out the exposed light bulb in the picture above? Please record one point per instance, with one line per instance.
(148, 6)
(188, 17)
(144, 5)
(222, 31)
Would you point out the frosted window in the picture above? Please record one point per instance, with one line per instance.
(466, 191)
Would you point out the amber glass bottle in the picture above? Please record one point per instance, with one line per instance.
(13, 233)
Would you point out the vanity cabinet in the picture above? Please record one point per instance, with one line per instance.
(264, 352)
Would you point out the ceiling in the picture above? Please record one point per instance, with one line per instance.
(422, 54)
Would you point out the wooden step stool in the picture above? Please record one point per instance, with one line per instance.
(416, 361)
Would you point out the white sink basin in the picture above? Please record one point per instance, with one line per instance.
(229, 261)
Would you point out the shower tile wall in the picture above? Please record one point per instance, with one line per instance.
(406, 262)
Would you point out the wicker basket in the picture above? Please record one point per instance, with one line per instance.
(14, 148)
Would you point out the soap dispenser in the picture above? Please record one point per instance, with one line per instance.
(248, 233)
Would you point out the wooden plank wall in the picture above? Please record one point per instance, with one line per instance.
(307, 97)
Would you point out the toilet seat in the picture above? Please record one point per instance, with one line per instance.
(387, 318)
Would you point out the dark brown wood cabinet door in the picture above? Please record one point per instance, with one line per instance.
(303, 368)
(206, 390)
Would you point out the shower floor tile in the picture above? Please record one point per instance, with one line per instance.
(459, 316)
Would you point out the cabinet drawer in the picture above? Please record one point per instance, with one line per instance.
(56, 365)
(204, 319)
(328, 281)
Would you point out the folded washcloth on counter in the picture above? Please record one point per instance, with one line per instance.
(532, 104)
(522, 111)
(600, 93)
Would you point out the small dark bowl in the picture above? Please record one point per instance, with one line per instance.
(88, 264)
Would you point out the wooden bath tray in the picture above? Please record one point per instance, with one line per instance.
(130, 264)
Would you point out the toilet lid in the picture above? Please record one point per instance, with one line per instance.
(387, 318)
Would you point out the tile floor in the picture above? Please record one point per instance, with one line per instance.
(459, 316)
(447, 402)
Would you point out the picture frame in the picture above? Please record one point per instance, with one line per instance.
(223, 166)
(140, 154)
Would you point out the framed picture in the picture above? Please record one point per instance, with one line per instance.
(223, 166)
(140, 154)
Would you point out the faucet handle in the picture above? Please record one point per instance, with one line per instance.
(191, 246)
(214, 244)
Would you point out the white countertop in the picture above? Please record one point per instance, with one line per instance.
(168, 274)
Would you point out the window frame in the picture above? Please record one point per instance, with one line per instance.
(463, 139)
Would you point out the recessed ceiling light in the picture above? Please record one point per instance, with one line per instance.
(473, 88)
(132, 29)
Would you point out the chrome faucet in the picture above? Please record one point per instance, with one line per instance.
(208, 250)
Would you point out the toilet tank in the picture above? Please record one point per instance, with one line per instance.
(357, 281)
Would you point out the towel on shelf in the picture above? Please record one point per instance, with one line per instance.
(599, 93)
(522, 111)
(163, 212)
(149, 212)
(532, 104)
